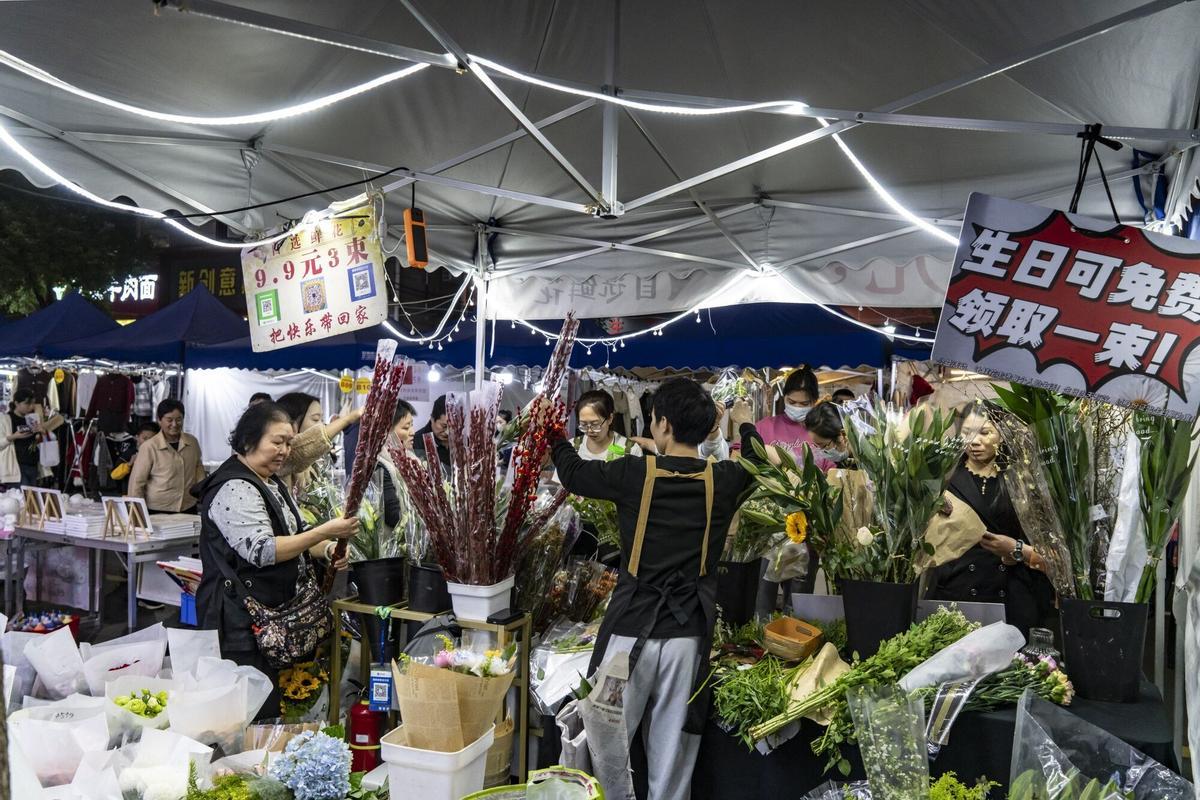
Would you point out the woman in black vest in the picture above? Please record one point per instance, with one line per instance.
(251, 524)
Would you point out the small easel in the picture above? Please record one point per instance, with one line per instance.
(126, 518)
(41, 505)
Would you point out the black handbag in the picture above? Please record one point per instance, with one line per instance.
(290, 633)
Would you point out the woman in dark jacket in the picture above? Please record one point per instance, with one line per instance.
(1003, 567)
(251, 524)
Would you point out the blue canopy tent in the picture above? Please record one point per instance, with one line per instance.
(68, 319)
(162, 337)
(761, 334)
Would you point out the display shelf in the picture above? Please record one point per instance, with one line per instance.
(519, 630)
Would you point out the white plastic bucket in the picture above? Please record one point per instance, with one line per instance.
(431, 775)
(480, 602)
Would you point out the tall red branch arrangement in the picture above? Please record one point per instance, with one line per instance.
(377, 414)
(460, 514)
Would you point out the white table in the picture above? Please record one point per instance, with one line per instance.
(131, 553)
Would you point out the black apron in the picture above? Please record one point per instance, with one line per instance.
(704, 585)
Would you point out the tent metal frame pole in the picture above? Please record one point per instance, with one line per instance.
(557, 237)
(129, 138)
(481, 298)
(426, 177)
(120, 166)
(610, 130)
(982, 73)
(445, 40)
(883, 237)
(335, 38)
(771, 202)
(700, 204)
(645, 237)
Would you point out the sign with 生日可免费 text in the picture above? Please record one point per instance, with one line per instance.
(324, 279)
(1076, 305)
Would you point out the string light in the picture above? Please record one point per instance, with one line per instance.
(39, 74)
(434, 375)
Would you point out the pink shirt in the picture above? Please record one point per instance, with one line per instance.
(793, 436)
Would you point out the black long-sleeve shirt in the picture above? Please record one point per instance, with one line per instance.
(674, 528)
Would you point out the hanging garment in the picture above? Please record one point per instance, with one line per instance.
(111, 402)
(85, 385)
(143, 397)
(36, 380)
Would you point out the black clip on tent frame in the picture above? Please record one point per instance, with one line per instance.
(1091, 136)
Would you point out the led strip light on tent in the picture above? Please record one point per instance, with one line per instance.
(328, 100)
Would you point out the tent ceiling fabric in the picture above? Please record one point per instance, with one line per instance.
(856, 55)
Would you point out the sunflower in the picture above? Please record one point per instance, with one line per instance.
(294, 693)
(797, 526)
(310, 683)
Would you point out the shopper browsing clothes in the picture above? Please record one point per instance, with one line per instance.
(19, 442)
(253, 544)
(168, 465)
(674, 510)
(1004, 567)
(314, 437)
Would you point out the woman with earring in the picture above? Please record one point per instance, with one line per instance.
(1003, 567)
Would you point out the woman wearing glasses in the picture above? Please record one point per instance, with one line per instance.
(597, 441)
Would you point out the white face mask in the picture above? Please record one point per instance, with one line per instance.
(797, 413)
(830, 454)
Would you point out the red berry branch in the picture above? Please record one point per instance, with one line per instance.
(373, 430)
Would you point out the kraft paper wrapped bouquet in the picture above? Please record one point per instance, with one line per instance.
(449, 703)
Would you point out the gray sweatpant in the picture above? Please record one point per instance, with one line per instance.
(657, 700)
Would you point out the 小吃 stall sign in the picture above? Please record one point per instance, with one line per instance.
(1076, 305)
(325, 279)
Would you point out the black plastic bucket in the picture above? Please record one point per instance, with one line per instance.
(380, 583)
(737, 590)
(875, 612)
(427, 590)
(1103, 644)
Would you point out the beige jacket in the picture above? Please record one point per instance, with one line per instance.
(164, 475)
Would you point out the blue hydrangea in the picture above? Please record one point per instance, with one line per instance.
(315, 767)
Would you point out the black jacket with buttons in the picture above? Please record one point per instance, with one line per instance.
(218, 606)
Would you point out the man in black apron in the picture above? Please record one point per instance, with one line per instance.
(674, 511)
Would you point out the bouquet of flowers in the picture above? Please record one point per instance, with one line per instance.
(761, 524)
(315, 766)
(909, 459)
(539, 562)
(302, 686)
(601, 515)
(473, 541)
(488, 664)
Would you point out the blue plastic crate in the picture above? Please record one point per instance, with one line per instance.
(187, 608)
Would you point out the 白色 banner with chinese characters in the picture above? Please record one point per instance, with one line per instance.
(1074, 304)
(324, 279)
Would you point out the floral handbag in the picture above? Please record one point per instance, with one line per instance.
(288, 633)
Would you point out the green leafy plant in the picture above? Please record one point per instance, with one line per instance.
(895, 658)
(746, 696)
(834, 632)
(601, 515)
(760, 525)
(1031, 785)
(909, 459)
(949, 787)
(1166, 469)
(1060, 428)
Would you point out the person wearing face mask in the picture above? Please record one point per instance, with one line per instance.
(827, 435)
(1003, 567)
(788, 430)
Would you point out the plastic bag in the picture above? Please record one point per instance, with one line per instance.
(786, 562)
(273, 736)
(187, 647)
(1058, 755)
(12, 647)
(162, 764)
(143, 660)
(557, 664)
(54, 749)
(832, 791)
(58, 664)
(977, 655)
(891, 737)
(216, 704)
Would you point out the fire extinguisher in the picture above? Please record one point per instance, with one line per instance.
(366, 729)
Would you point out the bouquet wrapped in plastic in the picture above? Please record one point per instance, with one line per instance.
(890, 725)
(1058, 755)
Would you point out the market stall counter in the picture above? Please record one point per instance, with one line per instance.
(132, 552)
(980, 746)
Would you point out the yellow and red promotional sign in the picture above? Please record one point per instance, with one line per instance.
(325, 279)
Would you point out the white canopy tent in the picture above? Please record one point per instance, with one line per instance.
(562, 201)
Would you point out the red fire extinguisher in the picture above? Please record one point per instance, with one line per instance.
(366, 729)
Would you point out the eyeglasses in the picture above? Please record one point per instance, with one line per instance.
(591, 426)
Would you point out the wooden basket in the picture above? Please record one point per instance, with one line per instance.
(792, 640)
